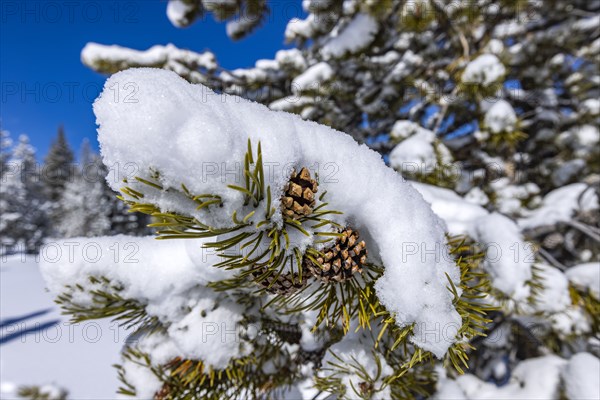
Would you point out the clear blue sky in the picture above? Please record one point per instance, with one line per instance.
(44, 83)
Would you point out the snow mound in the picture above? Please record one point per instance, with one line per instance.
(419, 153)
(586, 276)
(535, 378)
(312, 77)
(168, 277)
(150, 269)
(292, 58)
(459, 214)
(485, 70)
(581, 377)
(571, 321)
(508, 259)
(178, 12)
(560, 205)
(554, 297)
(181, 129)
(405, 128)
(357, 35)
(501, 117)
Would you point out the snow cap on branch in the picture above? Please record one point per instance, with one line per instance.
(185, 131)
(485, 69)
(168, 278)
(508, 257)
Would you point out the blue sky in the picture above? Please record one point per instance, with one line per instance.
(44, 83)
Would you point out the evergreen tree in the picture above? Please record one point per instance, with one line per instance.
(502, 107)
(5, 143)
(58, 166)
(122, 220)
(84, 208)
(89, 208)
(86, 154)
(24, 221)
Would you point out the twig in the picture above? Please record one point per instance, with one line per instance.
(550, 259)
(583, 228)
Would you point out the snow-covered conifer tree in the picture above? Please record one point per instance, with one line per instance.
(23, 209)
(84, 208)
(58, 166)
(88, 207)
(5, 143)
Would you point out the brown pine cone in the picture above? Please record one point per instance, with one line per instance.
(298, 198)
(340, 261)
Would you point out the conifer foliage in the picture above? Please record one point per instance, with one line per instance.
(59, 166)
(24, 220)
(303, 300)
(489, 108)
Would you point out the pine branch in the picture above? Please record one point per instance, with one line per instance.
(107, 302)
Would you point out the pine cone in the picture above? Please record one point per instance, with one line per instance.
(283, 284)
(298, 199)
(340, 261)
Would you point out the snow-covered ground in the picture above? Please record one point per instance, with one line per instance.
(39, 347)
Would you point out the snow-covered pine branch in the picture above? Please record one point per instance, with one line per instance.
(198, 173)
(494, 109)
(196, 67)
(196, 129)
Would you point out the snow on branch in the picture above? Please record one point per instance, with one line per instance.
(110, 59)
(196, 138)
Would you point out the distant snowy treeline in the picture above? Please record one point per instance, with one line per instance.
(57, 198)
